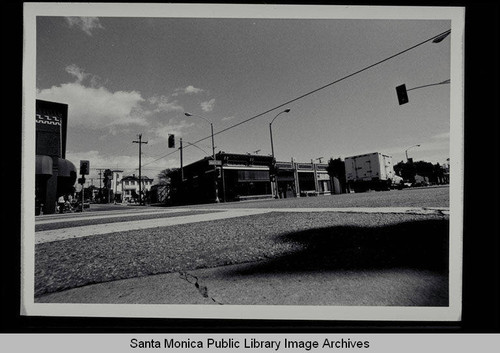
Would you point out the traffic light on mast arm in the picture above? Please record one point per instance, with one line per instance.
(171, 141)
(402, 94)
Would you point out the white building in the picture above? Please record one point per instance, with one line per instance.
(130, 187)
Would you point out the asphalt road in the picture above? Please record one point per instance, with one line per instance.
(411, 197)
(268, 258)
(437, 196)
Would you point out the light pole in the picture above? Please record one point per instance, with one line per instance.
(213, 151)
(406, 151)
(272, 150)
(271, 129)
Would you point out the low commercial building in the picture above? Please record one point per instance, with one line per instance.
(302, 179)
(235, 177)
(231, 177)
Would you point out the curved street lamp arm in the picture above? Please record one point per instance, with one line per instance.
(431, 84)
(198, 116)
(284, 111)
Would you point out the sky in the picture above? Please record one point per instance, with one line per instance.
(124, 76)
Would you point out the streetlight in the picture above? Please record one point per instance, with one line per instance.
(406, 151)
(402, 91)
(440, 38)
(271, 130)
(213, 151)
(272, 149)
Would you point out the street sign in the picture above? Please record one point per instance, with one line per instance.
(212, 162)
(81, 180)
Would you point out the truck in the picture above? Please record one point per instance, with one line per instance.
(371, 171)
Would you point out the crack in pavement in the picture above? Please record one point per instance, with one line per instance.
(202, 289)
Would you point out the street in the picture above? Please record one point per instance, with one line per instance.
(374, 249)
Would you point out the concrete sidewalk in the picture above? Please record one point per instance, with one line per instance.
(257, 284)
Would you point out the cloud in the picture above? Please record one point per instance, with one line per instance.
(208, 106)
(77, 72)
(163, 104)
(93, 106)
(171, 128)
(97, 107)
(227, 118)
(81, 75)
(86, 24)
(187, 90)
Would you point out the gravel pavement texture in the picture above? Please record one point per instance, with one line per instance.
(286, 241)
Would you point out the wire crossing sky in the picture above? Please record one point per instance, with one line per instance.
(124, 76)
(318, 89)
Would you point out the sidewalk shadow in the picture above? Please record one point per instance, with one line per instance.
(420, 245)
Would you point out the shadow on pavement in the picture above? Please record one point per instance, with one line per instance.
(419, 245)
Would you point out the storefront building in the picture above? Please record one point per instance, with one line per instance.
(302, 179)
(246, 177)
(232, 177)
(55, 176)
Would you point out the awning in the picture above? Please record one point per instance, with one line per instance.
(244, 167)
(66, 168)
(43, 165)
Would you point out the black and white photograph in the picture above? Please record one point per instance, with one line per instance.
(243, 161)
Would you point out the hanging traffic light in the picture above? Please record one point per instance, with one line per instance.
(171, 141)
(84, 167)
(402, 94)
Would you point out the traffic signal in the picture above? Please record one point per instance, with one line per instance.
(84, 167)
(402, 94)
(171, 141)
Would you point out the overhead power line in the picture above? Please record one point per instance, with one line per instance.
(436, 37)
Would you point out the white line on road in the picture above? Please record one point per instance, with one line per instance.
(110, 214)
(83, 231)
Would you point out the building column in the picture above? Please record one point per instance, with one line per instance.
(315, 175)
(296, 178)
(49, 206)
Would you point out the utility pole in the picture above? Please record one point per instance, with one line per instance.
(140, 142)
(100, 184)
(182, 169)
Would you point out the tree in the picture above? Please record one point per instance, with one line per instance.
(108, 175)
(169, 178)
(165, 176)
(435, 173)
(425, 169)
(336, 169)
(405, 171)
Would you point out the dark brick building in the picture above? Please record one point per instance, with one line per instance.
(55, 176)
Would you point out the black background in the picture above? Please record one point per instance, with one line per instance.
(481, 231)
